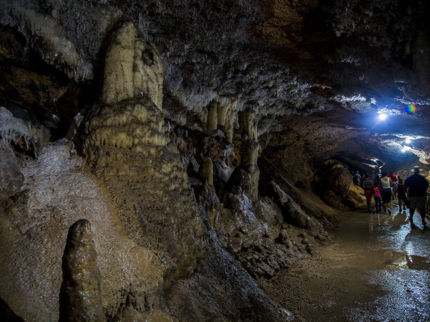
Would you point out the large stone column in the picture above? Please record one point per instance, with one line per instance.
(126, 145)
(246, 176)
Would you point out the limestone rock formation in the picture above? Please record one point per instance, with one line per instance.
(339, 179)
(209, 144)
(80, 297)
(127, 147)
(15, 129)
(60, 190)
(128, 150)
(11, 178)
(132, 68)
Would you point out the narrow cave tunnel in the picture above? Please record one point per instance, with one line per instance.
(197, 160)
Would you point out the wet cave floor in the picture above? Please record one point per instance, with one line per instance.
(378, 269)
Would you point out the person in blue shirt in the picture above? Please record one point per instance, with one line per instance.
(358, 178)
(416, 187)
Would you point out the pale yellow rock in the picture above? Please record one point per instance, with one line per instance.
(250, 155)
(133, 68)
(248, 123)
(229, 124)
(357, 193)
(206, 171)
(212, 121)
(222, 113)
(118, 78)
(148, 73)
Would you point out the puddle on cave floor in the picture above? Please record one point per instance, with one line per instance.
(377, 270)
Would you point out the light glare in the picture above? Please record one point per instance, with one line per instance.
(382, 116)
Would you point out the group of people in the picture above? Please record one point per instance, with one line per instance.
(386, 187)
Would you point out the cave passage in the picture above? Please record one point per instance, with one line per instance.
(378, 270)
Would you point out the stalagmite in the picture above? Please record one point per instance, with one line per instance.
(143, 172)
(248, 124)
(212, 122)
(132, 69)
(80, 297)
(207, 171)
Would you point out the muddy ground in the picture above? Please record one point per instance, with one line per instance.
(377, 269)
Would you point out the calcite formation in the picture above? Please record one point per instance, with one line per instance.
(80, 297)
(132, 68)
(128, 149)
(11, 177)
(59, 190)
(13, 129)
(246, 175)
(208, 141)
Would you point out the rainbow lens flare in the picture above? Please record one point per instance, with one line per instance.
(410, 109)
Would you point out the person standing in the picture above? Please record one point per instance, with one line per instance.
(358, 178)
(367, 185)
(393, 177)
(385, 185)
(401, 195)
(416, 187)
(377, 195)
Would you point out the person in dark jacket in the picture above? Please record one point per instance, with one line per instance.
(367, 185)
(416, 187)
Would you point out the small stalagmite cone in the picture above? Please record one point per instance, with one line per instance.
(80, 295)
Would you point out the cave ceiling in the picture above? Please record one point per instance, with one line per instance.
(321, 69)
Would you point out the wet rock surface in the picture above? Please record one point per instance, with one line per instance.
(377, 269)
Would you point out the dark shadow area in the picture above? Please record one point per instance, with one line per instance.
(6, 313)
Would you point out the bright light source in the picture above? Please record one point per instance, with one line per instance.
(408, 140)
(383, 116)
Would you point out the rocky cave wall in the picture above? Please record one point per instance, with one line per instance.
(178, 151)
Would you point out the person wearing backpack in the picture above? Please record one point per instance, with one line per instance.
(367, 185)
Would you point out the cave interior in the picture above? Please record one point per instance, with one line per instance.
(158, 158)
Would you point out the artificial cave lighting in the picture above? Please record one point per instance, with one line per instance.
(383, 117)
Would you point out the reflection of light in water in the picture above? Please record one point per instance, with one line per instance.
(401, 261)
(410, 248)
